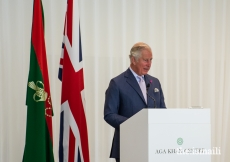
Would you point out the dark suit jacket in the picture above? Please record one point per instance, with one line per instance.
(124, 98)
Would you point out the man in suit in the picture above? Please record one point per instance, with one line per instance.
(131, 91)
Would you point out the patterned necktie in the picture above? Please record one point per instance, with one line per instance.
(143, 87)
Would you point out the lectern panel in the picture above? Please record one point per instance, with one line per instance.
(164, 135)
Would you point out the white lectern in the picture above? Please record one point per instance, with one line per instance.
(166, 135)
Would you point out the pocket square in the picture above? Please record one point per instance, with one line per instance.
(156, 90)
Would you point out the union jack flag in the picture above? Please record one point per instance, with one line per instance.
(73, 143)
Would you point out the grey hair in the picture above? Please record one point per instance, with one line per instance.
(137, 49)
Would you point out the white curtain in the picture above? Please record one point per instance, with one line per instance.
(190, 40)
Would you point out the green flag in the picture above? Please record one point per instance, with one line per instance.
(39, 138)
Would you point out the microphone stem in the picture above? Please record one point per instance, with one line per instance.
(152, 99)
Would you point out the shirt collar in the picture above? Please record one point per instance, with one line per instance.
(135, 75)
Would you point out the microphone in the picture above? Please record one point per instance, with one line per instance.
(147, 88)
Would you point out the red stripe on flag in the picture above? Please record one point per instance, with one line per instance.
(38, 42)
(61, 61)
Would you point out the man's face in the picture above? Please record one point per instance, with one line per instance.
(143, 64)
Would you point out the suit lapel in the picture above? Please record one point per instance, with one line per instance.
(131, 80)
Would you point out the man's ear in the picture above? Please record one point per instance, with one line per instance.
(133, 60)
